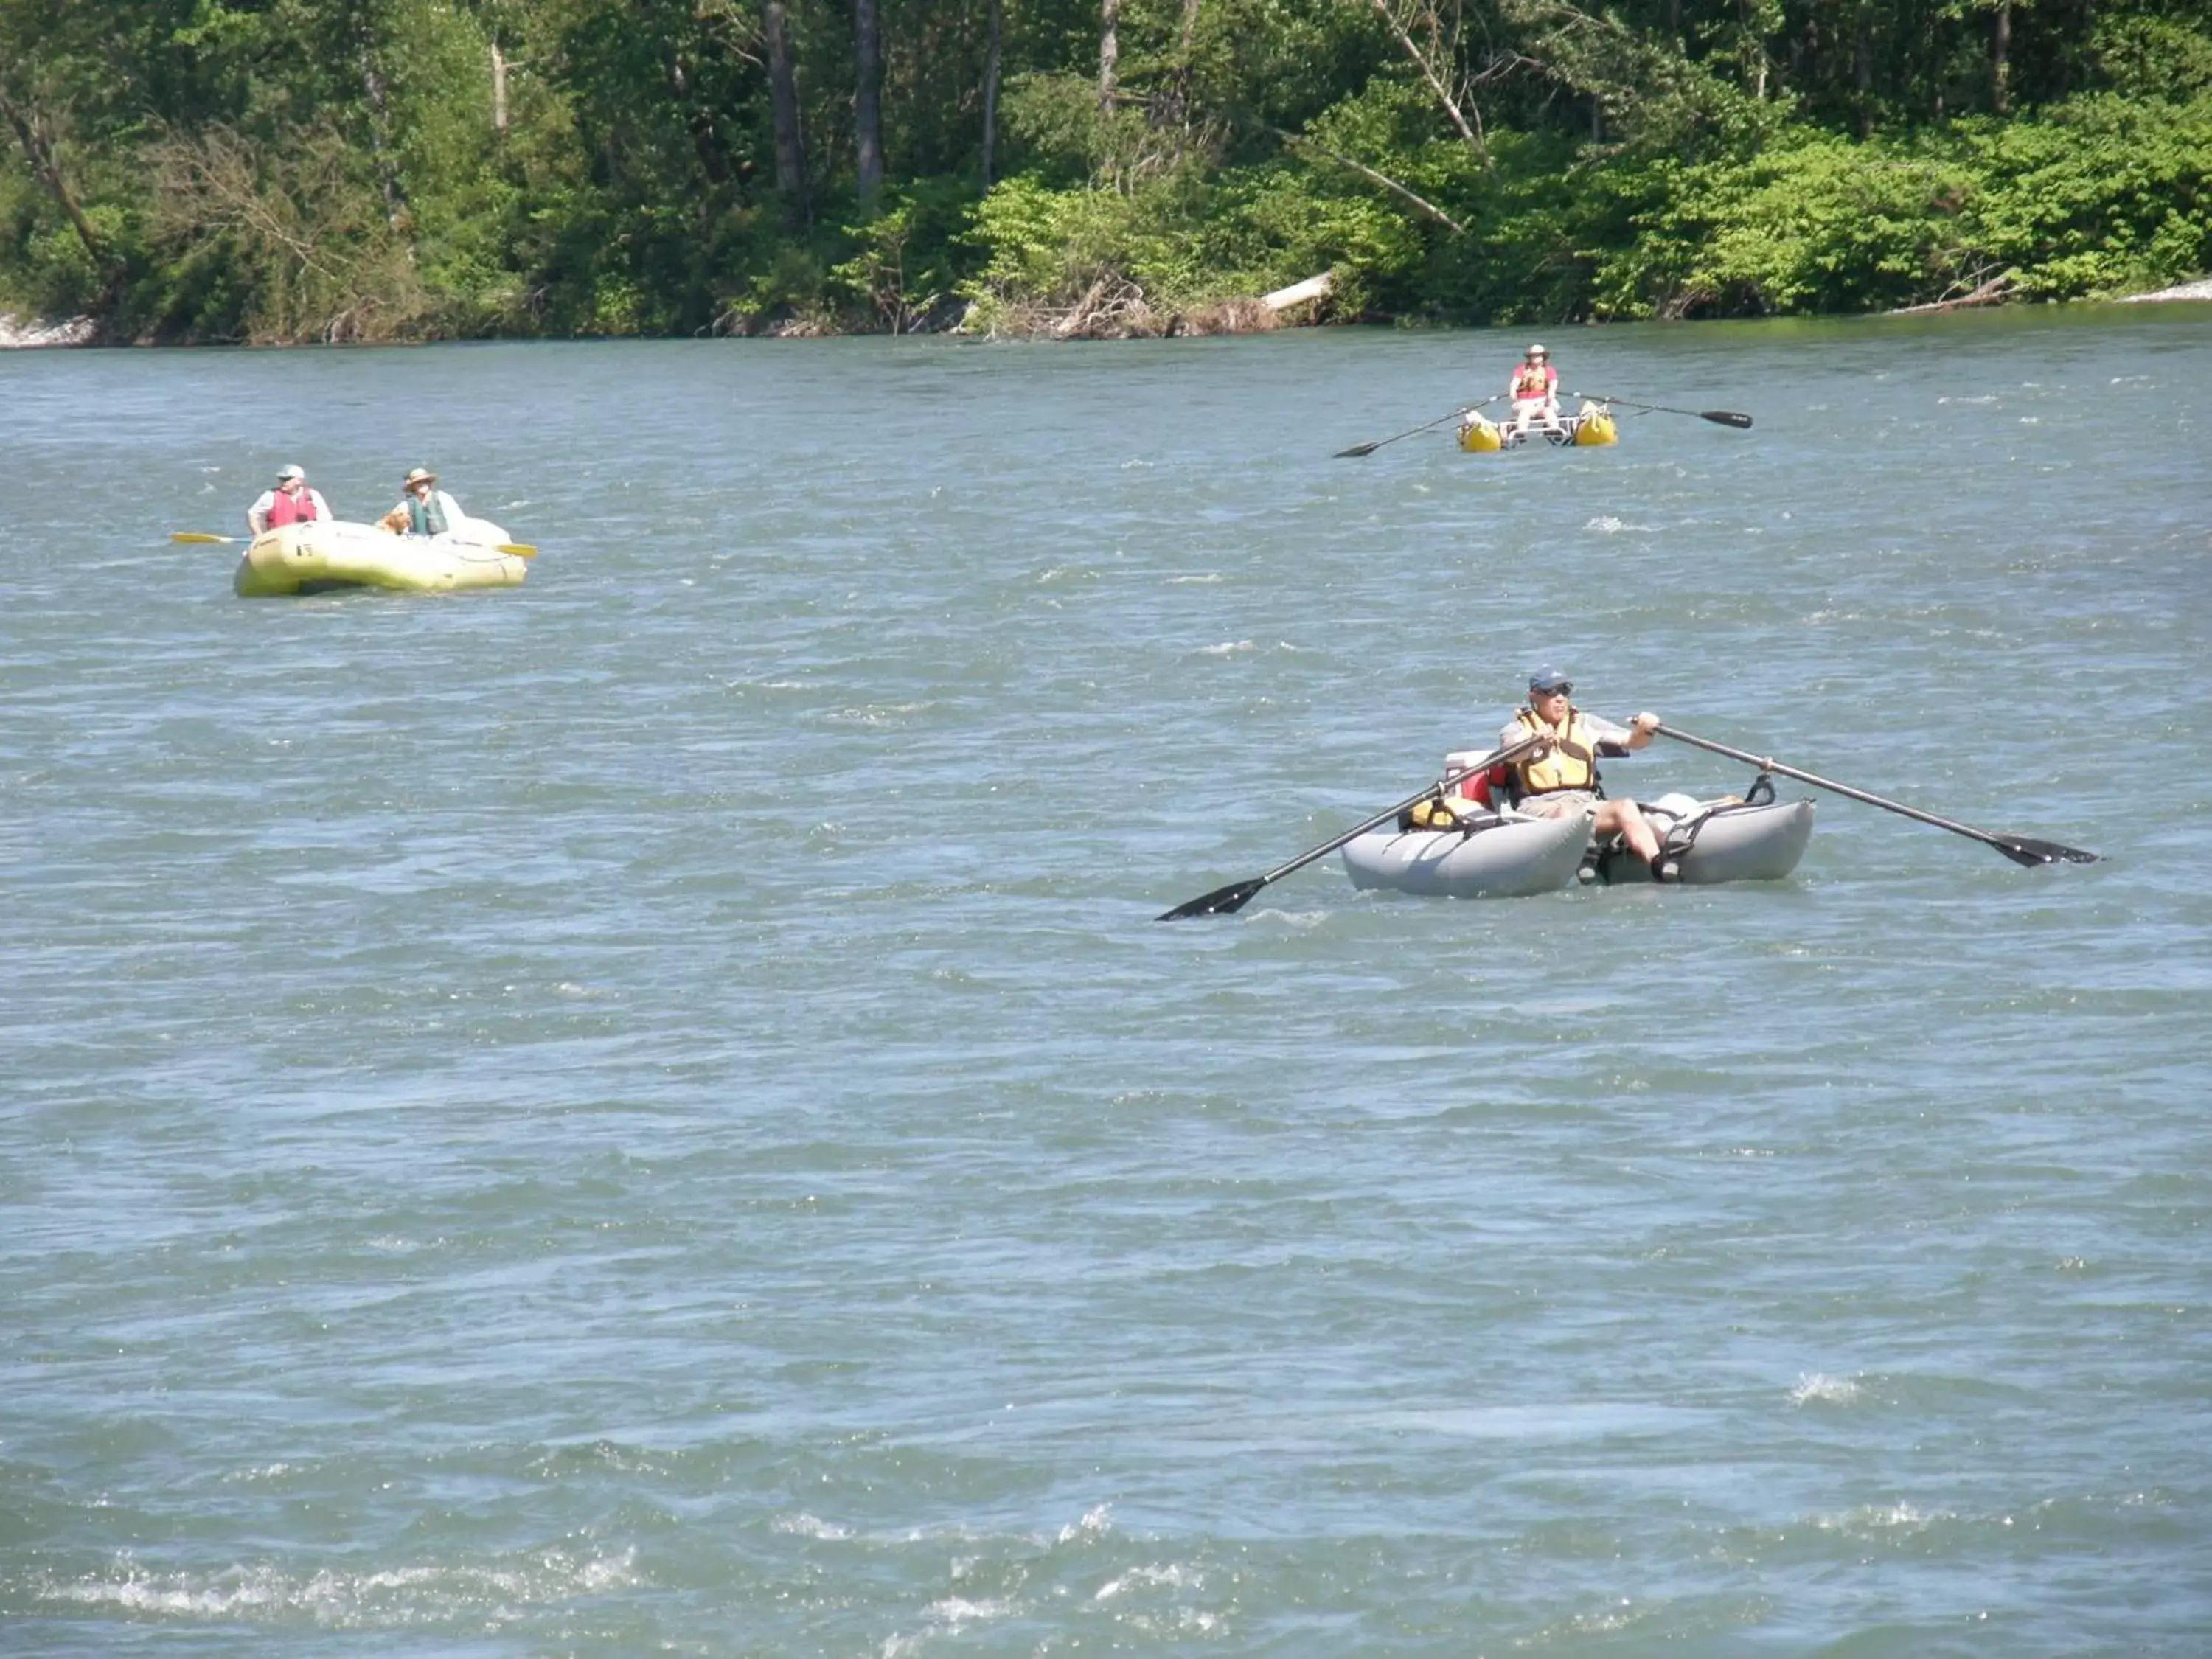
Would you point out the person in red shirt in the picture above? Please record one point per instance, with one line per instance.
(1535, 389)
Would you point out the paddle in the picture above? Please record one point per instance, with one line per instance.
(2020, 849)
(1717, 416)
(520, 550)
(1368, 449)
(1222, 901)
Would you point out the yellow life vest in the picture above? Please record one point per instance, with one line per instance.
(1571, 763)
(1438, 812)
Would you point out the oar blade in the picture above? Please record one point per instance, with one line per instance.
(197, 536)
(1221, 902)
(520, 550)
(1725, 417)
(2027, 850)
(1428, 426)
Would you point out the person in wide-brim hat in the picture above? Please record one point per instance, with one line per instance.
(424, 509)
(1534, 387)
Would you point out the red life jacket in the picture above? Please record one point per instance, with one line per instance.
(1530, 381)
(287, 508)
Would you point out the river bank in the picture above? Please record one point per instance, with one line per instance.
(1090, 321)
(2199, 289)
(16, 334)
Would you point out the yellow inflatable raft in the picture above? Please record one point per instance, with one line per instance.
(325, 554)
(1588, 428)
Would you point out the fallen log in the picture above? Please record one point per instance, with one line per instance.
(1314, 287)
(1996, 291)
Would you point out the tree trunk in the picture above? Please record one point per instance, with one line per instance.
(2001, 60)
(868, 103)
(783, 106)
(995, 31)
(706, 142)
(1365, 171)
(1467, 129)
(2079, 35)
(1863, 68)
(498, 90)
(380, 117)
(1170, 103)
(46, 168)
(1755, 43)
(1110, 52)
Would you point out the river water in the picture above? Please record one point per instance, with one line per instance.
(650, 1112)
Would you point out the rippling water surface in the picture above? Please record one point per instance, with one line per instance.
(649, 1112)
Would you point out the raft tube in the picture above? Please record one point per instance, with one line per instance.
(325, 554)
(1593, 427)
(1509, 857)
(1589, 428)
(1711, 841)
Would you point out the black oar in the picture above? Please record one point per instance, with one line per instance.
(1368, 449)
(2020, 849)
(1717, 416)
(1224, 900)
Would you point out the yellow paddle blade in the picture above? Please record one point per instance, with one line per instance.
(520, 550)
(200, 536)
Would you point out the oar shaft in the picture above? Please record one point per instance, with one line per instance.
(1224, 901)
(1449, 778)
(1630, 403)
(1765, 764)
(1717, 416)
(1369, 448)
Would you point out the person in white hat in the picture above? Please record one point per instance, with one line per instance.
(289, 501)
(424, 509)
(1534, 388)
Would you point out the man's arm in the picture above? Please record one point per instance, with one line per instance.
(1618, 740)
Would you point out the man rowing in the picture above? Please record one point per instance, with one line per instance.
(289, 501)
(1534, 387)
(1561, 776)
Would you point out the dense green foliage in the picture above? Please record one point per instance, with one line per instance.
(278, 170)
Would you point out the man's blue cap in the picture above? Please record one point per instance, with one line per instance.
(1549, 679)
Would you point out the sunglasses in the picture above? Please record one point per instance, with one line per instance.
(1552, 690)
